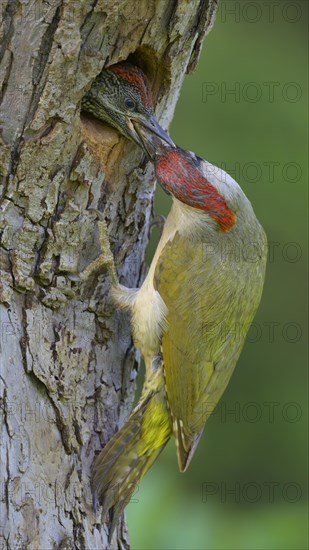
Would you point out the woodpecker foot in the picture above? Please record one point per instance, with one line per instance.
(123, 297)
(105, 259)
(158, 220)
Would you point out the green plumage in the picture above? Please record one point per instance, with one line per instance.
(211, 299)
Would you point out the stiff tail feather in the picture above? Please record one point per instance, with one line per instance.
(185, 445)
(129, 454)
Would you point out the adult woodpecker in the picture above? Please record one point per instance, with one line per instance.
(189, 318)
(121, 96)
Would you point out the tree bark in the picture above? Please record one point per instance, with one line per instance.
(67, 361)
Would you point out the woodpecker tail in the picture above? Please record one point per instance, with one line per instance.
(130, 453)
(185, 444)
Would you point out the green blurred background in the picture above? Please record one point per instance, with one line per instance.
(246, 487)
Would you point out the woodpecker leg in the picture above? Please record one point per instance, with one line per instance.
(105, 259)
(123, 297)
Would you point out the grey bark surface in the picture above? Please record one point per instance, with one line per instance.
(67, 361)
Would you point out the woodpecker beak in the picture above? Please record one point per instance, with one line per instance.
(153, 142)
(156, 129)
(143, 132)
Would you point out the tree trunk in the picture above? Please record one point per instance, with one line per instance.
(67, 361)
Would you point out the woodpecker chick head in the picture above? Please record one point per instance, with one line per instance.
(121, 96)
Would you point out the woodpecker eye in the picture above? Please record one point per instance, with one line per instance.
(129, 103)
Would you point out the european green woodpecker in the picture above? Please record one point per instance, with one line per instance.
(189, 318)
(121, 96)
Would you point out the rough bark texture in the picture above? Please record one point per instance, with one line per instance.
(67, 361)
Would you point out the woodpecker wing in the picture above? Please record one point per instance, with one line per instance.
(211, 301)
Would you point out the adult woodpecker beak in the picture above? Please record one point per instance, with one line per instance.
(146, 133)
(153, 142)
